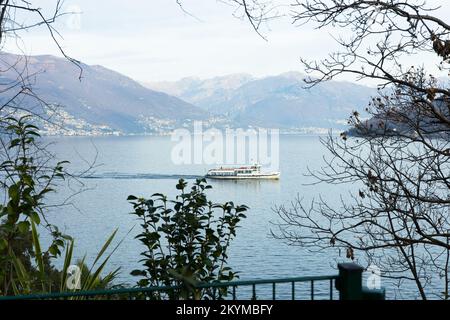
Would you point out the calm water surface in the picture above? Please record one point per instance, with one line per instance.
(142, 166)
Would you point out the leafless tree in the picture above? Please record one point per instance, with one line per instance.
(398, 165)
(397, 211)
(400, 215)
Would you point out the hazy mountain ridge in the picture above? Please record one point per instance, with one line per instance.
(103, 98)
(204, 93)
(280, 101)
(107, 102)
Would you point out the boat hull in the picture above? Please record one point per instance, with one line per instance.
(271, 176)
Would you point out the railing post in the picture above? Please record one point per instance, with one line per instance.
(349, 283)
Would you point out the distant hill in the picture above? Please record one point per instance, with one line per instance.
(102, 99)
(107, 102)
(279, 101)
(407, 121)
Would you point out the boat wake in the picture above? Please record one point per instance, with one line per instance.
(141, 176)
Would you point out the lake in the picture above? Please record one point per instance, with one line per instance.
(141, 165)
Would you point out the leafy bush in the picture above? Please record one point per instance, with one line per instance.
(27, 175)
(186, 240)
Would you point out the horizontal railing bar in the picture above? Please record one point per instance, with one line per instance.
(165, 288)
(68, 294)
(265, 281)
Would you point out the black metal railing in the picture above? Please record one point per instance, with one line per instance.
(348, 282)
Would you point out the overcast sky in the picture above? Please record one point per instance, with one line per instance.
(155, 40)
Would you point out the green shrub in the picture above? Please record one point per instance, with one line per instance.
(27, 175)
(186, 241)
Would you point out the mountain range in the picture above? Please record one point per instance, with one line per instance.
(102, 98)
(106, 102)
(275, 101)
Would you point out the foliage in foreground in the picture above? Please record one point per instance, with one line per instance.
(186, 240)
(89, 277)
(27, 176)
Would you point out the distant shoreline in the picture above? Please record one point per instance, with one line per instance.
(335, 132)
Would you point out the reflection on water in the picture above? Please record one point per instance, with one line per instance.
(249, 185)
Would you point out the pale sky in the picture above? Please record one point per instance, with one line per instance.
(156, 41)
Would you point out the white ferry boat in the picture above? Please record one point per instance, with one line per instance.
(245, 172)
